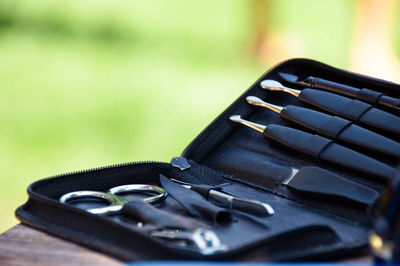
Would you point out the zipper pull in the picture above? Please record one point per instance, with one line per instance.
(180, 162)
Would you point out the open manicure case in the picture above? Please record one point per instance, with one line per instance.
(303, 227)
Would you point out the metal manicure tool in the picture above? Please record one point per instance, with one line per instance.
(225, 200)
(320, 148)
(201, 240)
(363, 94)
(115, 201)
(353, 110)
(332, 127)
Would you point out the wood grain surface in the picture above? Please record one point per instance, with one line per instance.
(22, 245)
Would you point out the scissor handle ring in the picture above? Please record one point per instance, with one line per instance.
(115, 202)
(161, 194)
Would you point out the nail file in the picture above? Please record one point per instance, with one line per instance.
(332, 127)
(353, 110)
(363, 94)
(321, 148)
(314, 182)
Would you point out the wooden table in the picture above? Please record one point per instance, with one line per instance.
(23, 245)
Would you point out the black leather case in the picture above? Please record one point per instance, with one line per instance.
(302, 228)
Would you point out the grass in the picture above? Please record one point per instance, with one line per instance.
(94, 83)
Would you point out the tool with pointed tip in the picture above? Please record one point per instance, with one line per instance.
(353, 110)
(332, 127)
(320, 148)
(225, 200)
(363, 94)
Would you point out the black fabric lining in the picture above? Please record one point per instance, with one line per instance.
(265, 153)
(74, 225)
(243, 237)
(247, 175)
(246, 139)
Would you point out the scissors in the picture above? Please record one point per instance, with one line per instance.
(202, 240)
(115, 201)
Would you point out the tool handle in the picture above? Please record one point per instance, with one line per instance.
(149, 215)
(296, 139)
(323, 124)
(353, 110)
(341, 155)
(314, 182)
(240, 204)
(327, 85)
(370, 140)
(324, 149)
(334, 127)
(390, 102)
(364, 94)
(252, 207)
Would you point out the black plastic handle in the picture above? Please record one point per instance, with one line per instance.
(389, 102)
(354, 110)
(363, 94)
(146, 213)
(334, 127)
(324, 149)
(331, 86)
(323, 124)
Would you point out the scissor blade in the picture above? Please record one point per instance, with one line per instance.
(184, 184)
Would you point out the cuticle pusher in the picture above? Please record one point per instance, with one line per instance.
(332, 127)
(320, 148)
(353, 110)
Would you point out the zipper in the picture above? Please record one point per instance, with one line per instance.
(99, 168)
(209, 127)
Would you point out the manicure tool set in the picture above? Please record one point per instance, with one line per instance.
(294, 169)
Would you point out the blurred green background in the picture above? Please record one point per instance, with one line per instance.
(93, 83)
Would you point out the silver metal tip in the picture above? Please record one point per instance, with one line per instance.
(269, 209)
(235, 118)
(253, 99)
(258, 102)
(255, 126)
(274, 85)
(269, 83)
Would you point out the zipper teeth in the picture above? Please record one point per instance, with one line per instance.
(101, 168)
(204, 131)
